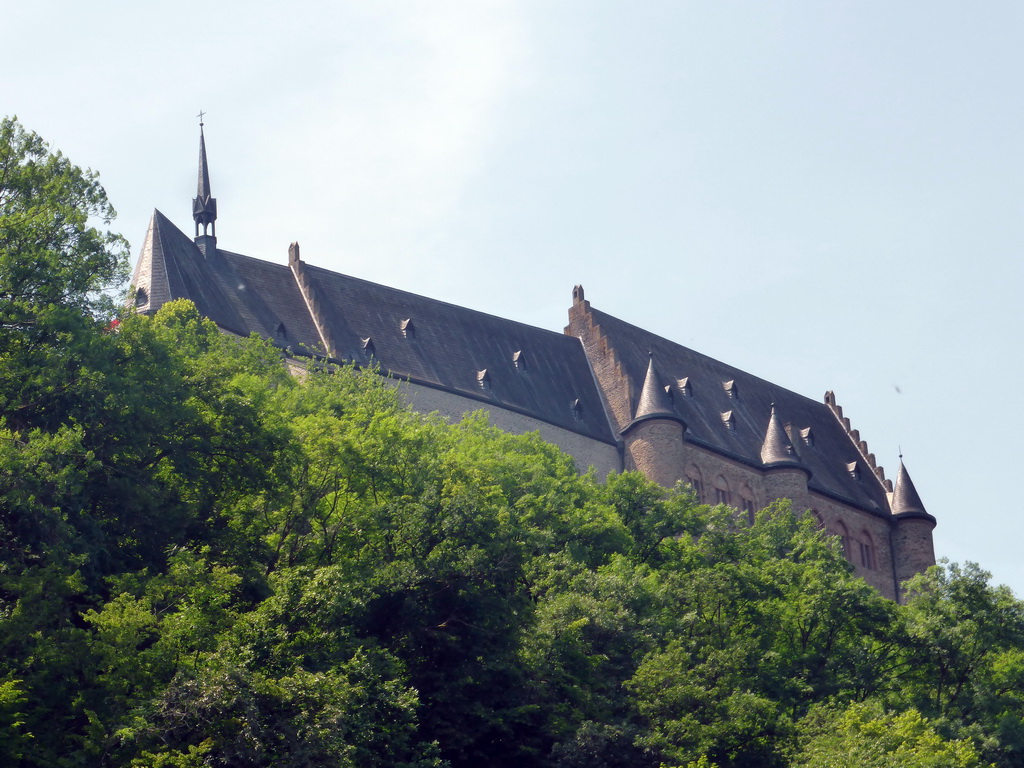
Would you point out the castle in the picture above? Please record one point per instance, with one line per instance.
(614, 396)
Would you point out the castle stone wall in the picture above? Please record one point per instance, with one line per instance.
(604, 458)
(655, 448)
(742, 486)
(860, 528)
(912, 541)
(613, 384)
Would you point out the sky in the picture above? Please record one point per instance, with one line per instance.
(826, 195)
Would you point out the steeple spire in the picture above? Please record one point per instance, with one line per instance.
(204, 205)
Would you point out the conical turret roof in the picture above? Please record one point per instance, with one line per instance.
(777, 449)
(905, 498)
(655, 401)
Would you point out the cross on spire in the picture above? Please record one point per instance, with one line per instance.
(204, 205)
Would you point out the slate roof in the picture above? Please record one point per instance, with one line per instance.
(450, 347)
(716, 388)
(539, 373)
(240, 294)
(905, 499)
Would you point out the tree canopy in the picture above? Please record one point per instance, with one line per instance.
(206, 561)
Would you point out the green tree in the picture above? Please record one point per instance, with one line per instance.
(767, 619)
(964, 663)
(867, 736)
(59, 274)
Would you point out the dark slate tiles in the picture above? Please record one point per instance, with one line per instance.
(751, 405)
(451, 345)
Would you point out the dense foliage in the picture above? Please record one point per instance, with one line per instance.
(206, 561)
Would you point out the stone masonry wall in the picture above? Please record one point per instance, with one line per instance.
(612, 381)
(604, 458)
(743, 484)
(912, 542)
(656, 448)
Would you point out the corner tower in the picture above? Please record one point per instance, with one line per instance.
(913, 550)
(204, 205)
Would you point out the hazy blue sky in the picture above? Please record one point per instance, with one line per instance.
(826, 194)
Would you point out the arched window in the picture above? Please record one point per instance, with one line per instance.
(840, 530)
(866, 550)
(695, 481)
(747, 503)
(722, 495)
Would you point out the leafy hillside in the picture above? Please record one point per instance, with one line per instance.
(205, 561)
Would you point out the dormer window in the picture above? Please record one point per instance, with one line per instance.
(684, 386)
(280, 331)
(576, 407)
(731, 390)
(483, 378)
(853, 470)
(669, 391)
(519, 360)
(368, 346)
(408, 329)
(807, 436)
(141, 297)
(729, 420)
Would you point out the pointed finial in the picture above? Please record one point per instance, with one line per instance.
(204, 205)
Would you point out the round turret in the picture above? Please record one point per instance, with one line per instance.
(913, 551)
(785, 475)
(654, 438)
